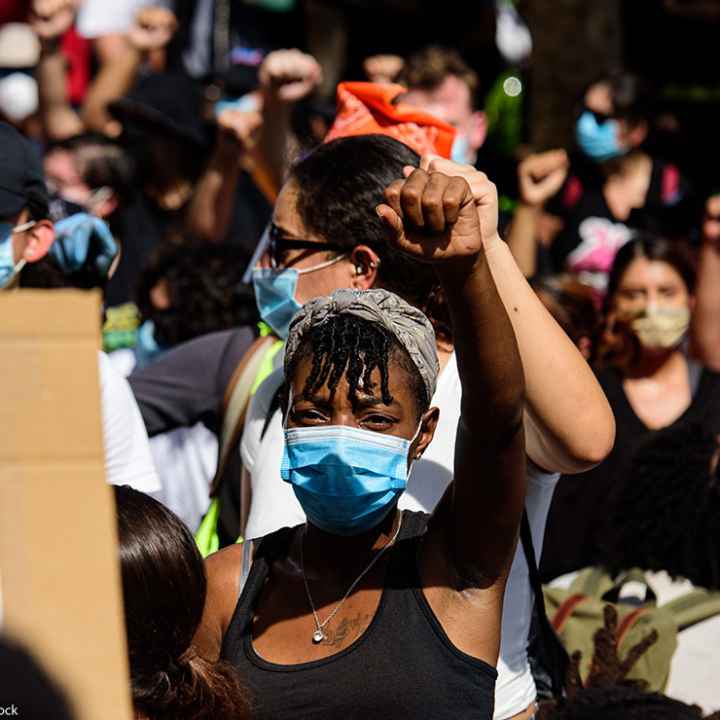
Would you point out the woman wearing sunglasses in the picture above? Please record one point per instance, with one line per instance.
(615, 185)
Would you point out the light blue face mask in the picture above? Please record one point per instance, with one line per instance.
(598, 141)
(346, 479)
(8, 267)
(275, 294)
(460, 151)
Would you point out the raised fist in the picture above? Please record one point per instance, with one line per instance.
(432, 218)
(483, 190)
(540, 176)
(50, 19)
(290, 75)
(152, 28)
(383, 68)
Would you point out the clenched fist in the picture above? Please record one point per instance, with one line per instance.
(541, 175)
(432, 218)
(289, 75)
(153, 28)
(50, 19)
(483, 190)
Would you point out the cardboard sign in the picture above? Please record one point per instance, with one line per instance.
(59, 574)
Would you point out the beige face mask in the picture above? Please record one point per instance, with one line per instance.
(661, 327)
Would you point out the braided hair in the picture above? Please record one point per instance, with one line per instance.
(351, 346)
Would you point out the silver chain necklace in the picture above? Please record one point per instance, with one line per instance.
(319, 635)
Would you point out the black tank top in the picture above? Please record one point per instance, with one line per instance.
(402, 666)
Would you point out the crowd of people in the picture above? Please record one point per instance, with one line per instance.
(385, 406)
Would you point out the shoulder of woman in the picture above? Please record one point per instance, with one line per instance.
(224, 570)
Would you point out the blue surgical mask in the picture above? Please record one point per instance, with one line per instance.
(598, 141)
(8, 267)
(346, 479)
(461, 152)
(275, 294)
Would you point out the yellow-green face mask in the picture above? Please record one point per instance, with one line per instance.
(661, 327)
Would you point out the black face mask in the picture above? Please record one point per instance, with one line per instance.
(60, 208)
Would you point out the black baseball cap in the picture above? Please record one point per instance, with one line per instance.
(21, 174)
(169, 103)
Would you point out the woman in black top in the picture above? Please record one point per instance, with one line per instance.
(651, 381)
(380, 614)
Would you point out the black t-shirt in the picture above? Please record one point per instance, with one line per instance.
(187, 384)
(592, 235)
(583, 504)
(139, 226)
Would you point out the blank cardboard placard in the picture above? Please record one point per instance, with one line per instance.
(61, 590)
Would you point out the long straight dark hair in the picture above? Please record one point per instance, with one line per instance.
(164, 588)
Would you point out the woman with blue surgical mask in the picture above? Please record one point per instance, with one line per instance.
(615, 185)
(329, 611)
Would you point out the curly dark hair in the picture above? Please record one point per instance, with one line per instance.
(204, 288)
(353, 347)
(164, 588)
(667, 517)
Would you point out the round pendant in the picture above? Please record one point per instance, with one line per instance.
(318, 636)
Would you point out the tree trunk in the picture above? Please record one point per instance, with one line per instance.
(574, 42)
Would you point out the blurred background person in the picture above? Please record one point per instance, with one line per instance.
(651, 380)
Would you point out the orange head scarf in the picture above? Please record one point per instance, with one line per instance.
(365, 108)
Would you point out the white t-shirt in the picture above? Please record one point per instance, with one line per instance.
(694, 671)
(101, 17)
(127, 452)
(185, 460)
(274, 505)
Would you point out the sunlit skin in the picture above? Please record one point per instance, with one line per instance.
(332, 563)
(657, 386)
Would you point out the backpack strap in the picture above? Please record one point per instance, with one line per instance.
(274, 405)
(554, 656)
(694, 607)
(250, 372)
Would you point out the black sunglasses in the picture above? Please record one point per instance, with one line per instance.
(279, 245)
(600, 117)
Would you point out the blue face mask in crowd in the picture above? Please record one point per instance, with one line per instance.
(460, 151)
(275, 294)
(8, 267)
(346, 479)
(598, 140)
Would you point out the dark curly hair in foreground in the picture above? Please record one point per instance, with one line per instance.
(667, 516)
(608, 694)
(164, 587)
(350, 346)
(204, 290)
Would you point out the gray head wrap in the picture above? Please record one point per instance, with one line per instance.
(405, 323)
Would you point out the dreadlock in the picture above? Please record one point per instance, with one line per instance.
(607, 692)
(667, 515)
(353, 347)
